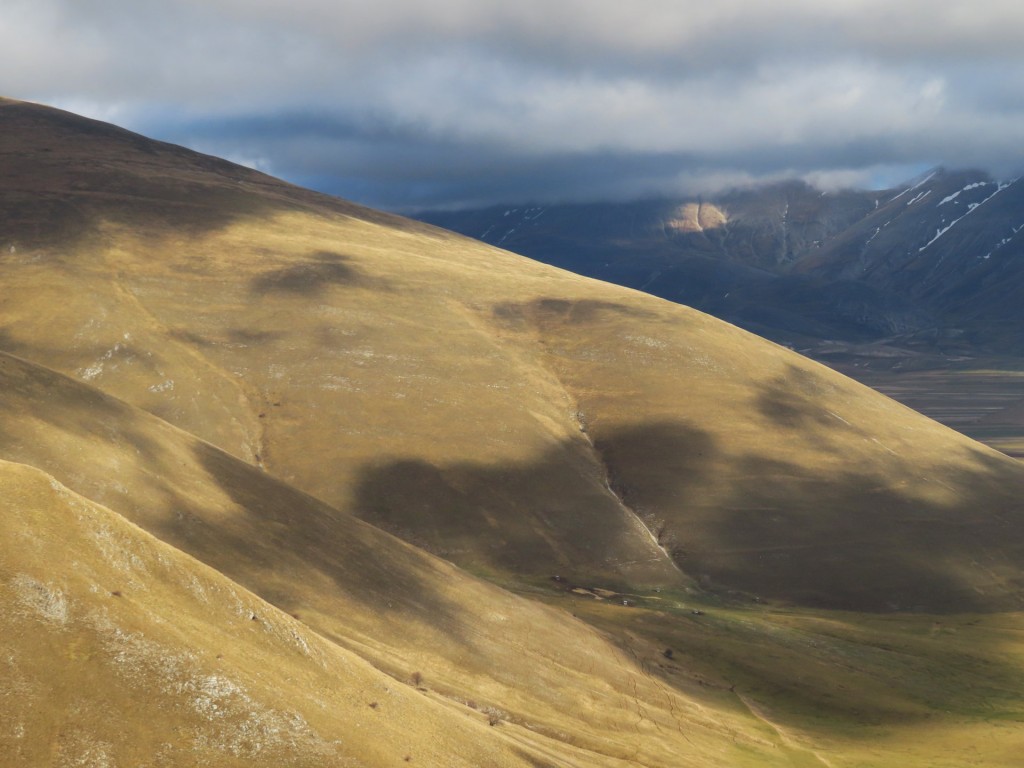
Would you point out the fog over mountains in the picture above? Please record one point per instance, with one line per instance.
(464, 103)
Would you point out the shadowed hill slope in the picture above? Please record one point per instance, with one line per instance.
(948, 242)
(65, 173)
(514, 418)
(119, 649)
(296, 599)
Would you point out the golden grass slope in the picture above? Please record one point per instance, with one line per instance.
(766, 473)
(478, 404)
(308, 585)
(120, 650)
(250, 372)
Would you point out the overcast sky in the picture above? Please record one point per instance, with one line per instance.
(406, 103)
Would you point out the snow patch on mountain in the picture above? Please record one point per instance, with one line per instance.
(970, 209)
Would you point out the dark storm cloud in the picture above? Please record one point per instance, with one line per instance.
(404, 103)
(402, 168)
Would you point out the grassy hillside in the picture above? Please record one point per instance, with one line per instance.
(119, 649)
(261, 385)
(477, 404)
(475, 652)
(261, 658)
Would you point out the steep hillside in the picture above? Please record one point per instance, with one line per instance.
(949, 242)
(497, 411)
(144, 616)
(258, 447)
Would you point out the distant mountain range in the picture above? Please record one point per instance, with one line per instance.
(935, 264)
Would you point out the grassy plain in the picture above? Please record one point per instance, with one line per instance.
(836, 688)
(983, 399)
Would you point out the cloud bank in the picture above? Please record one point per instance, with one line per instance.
(401, 103)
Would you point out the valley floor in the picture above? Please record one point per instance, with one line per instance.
(982, 398)
(831, 688)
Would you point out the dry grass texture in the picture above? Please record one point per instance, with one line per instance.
(262, 424)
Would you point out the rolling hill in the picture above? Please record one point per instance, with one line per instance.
(340, 486)
(914, 290)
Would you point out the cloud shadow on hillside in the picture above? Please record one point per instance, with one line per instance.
(768, 529)
(751, 523)
(59, 407)
(283, 530)
(313, 276)
(276, 533)
(543, 518)
(542, 311)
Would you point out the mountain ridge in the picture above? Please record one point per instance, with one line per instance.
(780, 248)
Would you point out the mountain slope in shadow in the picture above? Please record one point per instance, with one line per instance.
(332, 347)
(270, 626)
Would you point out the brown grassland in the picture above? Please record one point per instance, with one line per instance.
(287, 481)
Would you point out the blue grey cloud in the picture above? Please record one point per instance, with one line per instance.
(400, 103)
